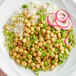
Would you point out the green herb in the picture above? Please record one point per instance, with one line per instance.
(29, 18)
(44, 26)
(46, 45)
(25, 6)
(26, 59)
(31, 52)
(45, 63)
(35, 6)
(26, 67)
(24, 44)
(53, 62)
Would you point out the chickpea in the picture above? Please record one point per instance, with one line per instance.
(33, 17)
(48, 28)
(24, 40)
(24, 13)
(16, 35)
(50, 46)
(30, 56)
(43, 47)
(48, 61)
(18, 61)
(62, 52)
(32, 32)
(24, 56)
(56, 64)
(34, 54)
(56, 45)
(56, 56)
(53, 39)
(36, 42)
(28, 24)
(25, 28)
(60, 44)
(37, 66)
(58, 31)
(44, 42)
(42, 63)
(32, 28)
(33, 68)
(40, 25)
(48, 41)
(47, 54)
(18, 56)
(70, 47)
(13, 57)
(21, 57)
(6, 26)
(47, 36)
(43, 22)
(41, 39)
(19, 43)
(26, 34)
(38, 58)
(11, 52)
(39, 53)
(43, 31)
(24, 63)
(32, 64)
(37, 28)
(56, 60)
(32, 23)
(59, 35)
(32, 49)
(53, 49)
(43, 67)
(29, 64)
(14, 53)
(20, 50)
(25, 52)
(29, 61)
(28, 16)
(51, 34)
(15, 39)
(62, 48)
(39, 61)
(67, 53)
(40, 44)
(26, 21)
(47, 32)
(36, 46)
(52, 67)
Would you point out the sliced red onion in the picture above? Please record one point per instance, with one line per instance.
(63, 24)
(70, 24)
(61, 16)
(51, 19)
(66, 41)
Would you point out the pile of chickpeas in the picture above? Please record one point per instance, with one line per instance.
(39, 48)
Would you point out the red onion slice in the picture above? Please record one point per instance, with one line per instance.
(51, 19)
(57, 27)
(66, 41)
(63, 24)
(61, 16)
(70, 24)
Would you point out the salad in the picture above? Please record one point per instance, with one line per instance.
(39, 36)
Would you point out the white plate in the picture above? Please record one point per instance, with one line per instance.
(8, 65)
